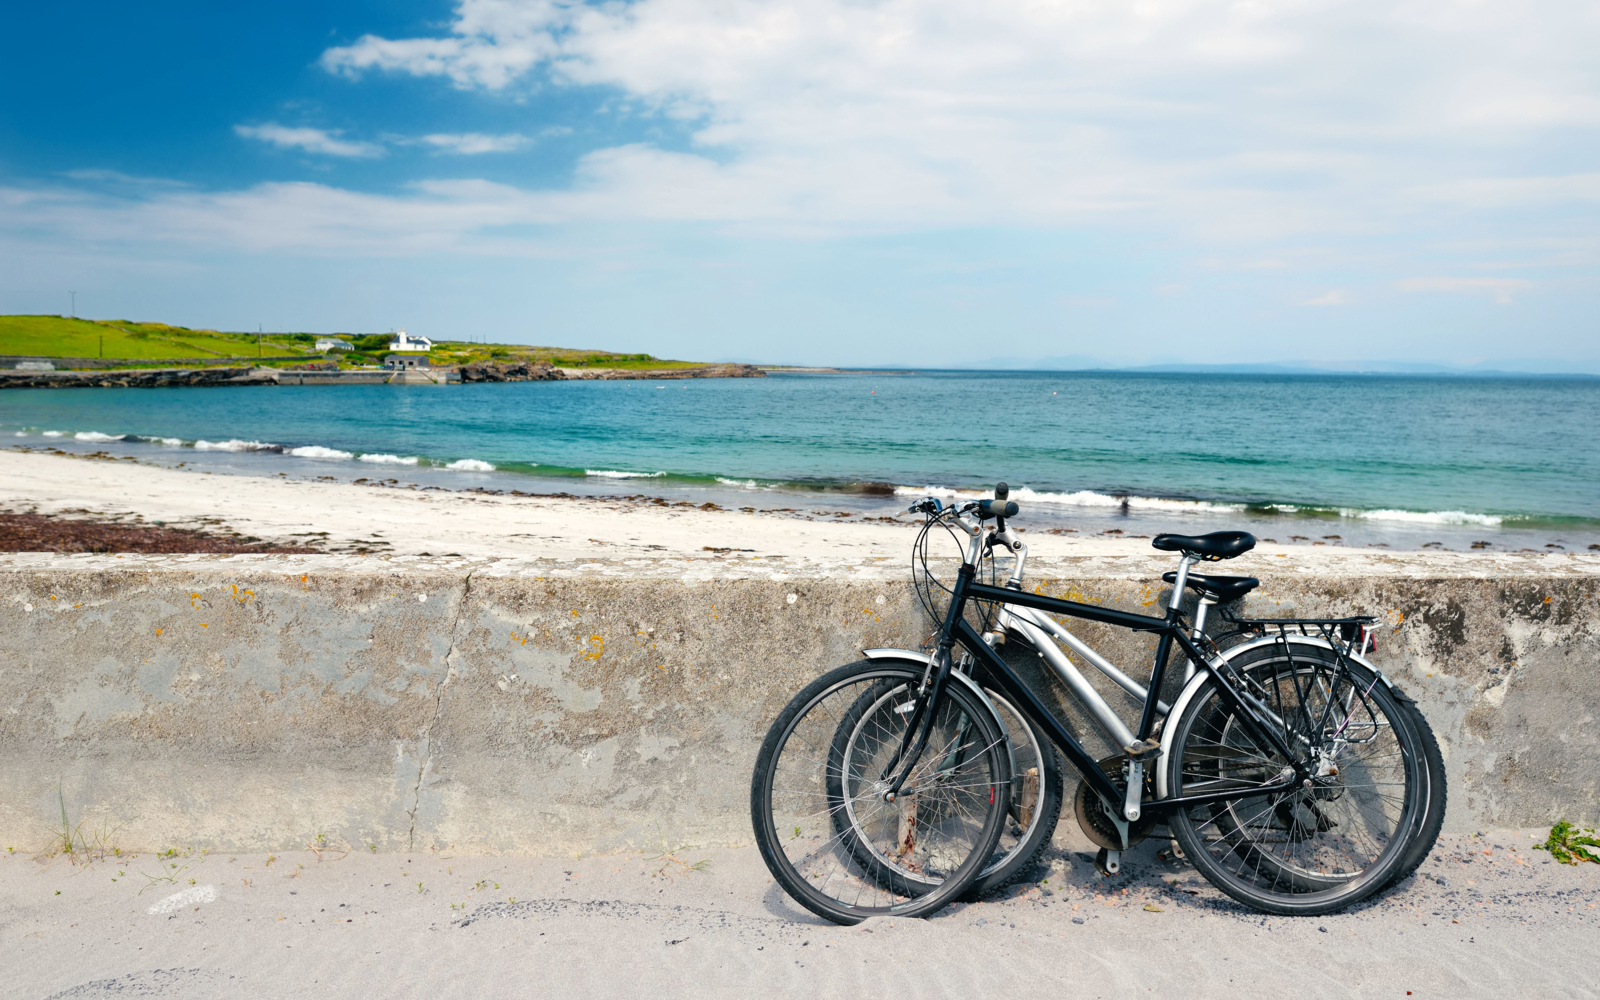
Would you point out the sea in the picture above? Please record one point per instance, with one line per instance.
(1403, 462)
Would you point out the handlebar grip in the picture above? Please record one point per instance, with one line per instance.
(1001, 491)
(997, 508)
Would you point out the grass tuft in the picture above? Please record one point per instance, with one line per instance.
(80, 843)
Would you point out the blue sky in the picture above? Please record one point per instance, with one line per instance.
(829, 181)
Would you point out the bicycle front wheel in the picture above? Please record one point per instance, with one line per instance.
(1327, 842)
(817, 801)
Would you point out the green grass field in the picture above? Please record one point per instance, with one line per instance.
(61, 337)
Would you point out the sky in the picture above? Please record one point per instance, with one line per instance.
(850, 182)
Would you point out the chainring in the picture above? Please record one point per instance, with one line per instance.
(1092, 818)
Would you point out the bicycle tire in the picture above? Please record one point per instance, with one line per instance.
(1305, 850)
(1438, 796)
(942, 828)
(1431, 818)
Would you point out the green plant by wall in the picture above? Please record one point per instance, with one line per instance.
(1569, 845)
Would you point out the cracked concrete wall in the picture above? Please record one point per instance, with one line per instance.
(254, 703)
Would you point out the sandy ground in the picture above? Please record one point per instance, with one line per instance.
(385, 519)
(1485, 917)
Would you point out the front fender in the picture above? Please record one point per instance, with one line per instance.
(923, 659)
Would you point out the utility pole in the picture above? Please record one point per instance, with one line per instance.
(102, 345)
(258, 341)
(74, 304)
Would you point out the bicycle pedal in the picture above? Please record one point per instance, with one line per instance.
(1143, 751)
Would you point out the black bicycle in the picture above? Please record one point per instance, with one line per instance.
(1291, 773)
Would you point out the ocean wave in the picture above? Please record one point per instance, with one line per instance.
(1080, 498)
(169, 442)
(470, 465)
(234, 444)
(55, 434)
(1449, 517)
(612, 474)
(389, 459)
(746, 484)
(98, 437)
(318, 451)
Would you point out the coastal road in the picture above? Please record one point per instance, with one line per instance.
(1486, 916)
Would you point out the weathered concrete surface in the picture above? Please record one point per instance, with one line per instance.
(516, 707)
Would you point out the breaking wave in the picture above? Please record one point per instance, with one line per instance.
(237, 445)
(318, 451)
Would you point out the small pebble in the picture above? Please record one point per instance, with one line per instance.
(1323, 929)
(1077, 920)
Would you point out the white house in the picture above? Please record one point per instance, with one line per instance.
(403, 341)
(326, 344)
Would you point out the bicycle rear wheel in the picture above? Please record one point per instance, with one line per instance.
(1430, 818)
(1035, 804)
(1308, 849)
(817, 805)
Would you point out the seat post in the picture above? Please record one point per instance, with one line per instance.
(1199, 629)
(1179, 582)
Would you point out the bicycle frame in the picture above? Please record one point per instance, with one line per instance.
(1170, 629)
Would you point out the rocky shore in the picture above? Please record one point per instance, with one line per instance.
(143, 378)
(540, 371)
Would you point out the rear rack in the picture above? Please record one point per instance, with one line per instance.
(1347, 630)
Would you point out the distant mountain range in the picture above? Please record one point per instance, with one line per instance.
(1368, 368)
(1073, 362)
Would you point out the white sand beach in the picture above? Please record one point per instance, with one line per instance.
(400, 520)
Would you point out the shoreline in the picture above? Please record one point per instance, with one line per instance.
(1084, 514)
(390, 519)
(310, 371)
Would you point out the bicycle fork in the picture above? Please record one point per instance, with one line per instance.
(921, 726)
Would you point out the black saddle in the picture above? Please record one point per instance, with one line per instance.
(1217, 545)
(1221, 589)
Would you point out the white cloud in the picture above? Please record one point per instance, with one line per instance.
(1277, 136)
(492, 43)
(1336, 297)
(1243, 121)
(1501, 289)
(472, 143)
(312, 140)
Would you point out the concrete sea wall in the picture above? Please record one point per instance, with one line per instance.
(259, 702)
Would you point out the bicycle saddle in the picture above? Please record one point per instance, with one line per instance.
(1217, 545)
(1222, 589)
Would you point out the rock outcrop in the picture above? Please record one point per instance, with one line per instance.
(539, 371)
(706, 371)
(147, 378)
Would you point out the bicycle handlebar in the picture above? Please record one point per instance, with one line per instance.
(997, 508)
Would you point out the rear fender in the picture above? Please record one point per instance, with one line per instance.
(1193, 687)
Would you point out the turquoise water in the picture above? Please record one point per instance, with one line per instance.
(1426, 454)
